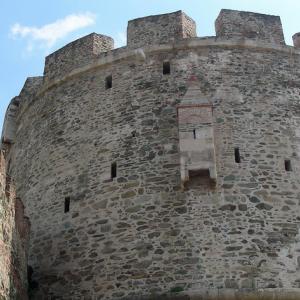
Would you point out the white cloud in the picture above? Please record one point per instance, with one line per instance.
(47, 35)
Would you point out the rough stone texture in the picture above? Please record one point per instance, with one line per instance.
(14, 234)
(139, 235)
(31, 86)
(296, 40)
(240, 24)
(160, 29)
(76, 54)
(196, 136)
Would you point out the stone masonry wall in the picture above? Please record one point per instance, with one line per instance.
(240, 24)
(76, 54)
(160, 29)
(139, 234)
(14, 234)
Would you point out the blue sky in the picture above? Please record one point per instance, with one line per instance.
(31, 29)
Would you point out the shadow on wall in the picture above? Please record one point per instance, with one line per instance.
(14, 237)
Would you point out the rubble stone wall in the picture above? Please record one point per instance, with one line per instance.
(139, 234)
(160, 29)
(246, 25)
(14, 234)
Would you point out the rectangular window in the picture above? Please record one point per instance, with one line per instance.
(166, 68)
(237, 155)
(199, 173)
(194, 134)
(113, 170)
(288, 165)
(108, 82)
(67, 204)
(199, 178)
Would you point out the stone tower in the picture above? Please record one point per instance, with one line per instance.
(166, 169)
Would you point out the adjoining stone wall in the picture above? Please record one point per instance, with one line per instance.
(14, 235)
(232, 24)
(139, 235)
(76, 54)
(160, 29)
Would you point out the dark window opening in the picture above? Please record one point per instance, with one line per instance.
(67, 204)
(199, 173)
(288, 165)
(108, 82)
(237, 155)
(194, 134)
(113, 170)
(166, 68)
(199, 178)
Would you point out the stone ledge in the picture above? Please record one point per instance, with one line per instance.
(141, 53)
(226, 294)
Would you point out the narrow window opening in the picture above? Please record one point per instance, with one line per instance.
(108, 82)
(288, 165)
(194, 134)
(113, 170)
(67, 204)
(166, 68)
(237, 155)
(8, 167)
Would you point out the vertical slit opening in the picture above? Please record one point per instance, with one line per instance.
(67, 204)
(288, 165)
(194, 134)
(237, 155)
(108, 82)
(113, 170)
(166, 67)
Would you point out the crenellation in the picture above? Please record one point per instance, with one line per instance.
(160, 29)
(9, 126)
(232, 24)
(76, 54)
(296, 40)
(27, 94)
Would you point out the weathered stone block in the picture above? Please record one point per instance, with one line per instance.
(233, 24)
(160, 29)
(76, 54)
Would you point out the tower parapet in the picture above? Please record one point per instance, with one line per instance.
(233, 24)
(76, 54)
(160, 29)
(296, 40)
(28, 92)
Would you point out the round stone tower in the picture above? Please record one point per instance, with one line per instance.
(166, 169)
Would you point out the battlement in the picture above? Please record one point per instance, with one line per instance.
(296, 40)
(231, 25)
(76, 54)
(31, 86)
(234, 24)
(160, 29)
